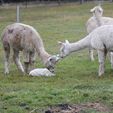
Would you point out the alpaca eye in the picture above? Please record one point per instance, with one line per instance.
(50, 59)
(100, 11)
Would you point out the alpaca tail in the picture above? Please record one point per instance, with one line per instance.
(5, 41)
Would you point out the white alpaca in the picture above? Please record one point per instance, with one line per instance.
(21, 37)
(41, 72)
(100, 39)
(95, 21)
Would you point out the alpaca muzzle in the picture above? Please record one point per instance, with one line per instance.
(51, 69)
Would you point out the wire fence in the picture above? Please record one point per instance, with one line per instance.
(48, 1)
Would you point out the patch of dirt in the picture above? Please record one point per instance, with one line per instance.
(1, 17)
(77, 108)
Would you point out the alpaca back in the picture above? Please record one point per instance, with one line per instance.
(92, 23)
(20, 36)
(102, 37)
(107, 20)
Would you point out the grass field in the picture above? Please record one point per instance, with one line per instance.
(76, 79)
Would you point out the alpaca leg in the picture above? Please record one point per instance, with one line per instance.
(32, 58)
(6, 59)
(26, 61)
(111, 58)
(101, 59)
(17, 61)
(91, 54)
(29, 59)
(26, 67)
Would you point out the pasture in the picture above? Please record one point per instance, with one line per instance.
(76, 79)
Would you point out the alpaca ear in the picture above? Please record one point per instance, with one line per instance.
(57, 57)
(92, 10)
(60, 43)
(66, 41)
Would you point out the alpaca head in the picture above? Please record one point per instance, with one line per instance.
(64, 48)
(52, 60)
(97, 11)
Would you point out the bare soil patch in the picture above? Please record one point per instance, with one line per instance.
(1, 18)
(79, 108)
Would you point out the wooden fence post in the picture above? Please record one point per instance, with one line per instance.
(18, 14)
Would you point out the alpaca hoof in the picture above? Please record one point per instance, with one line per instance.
(100, 74)
(92, 59)
(111, 66)
(6, 72)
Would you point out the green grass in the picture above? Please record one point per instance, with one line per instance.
(76, 79)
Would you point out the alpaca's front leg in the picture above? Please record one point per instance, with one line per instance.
(6, 60)
(101, 59)
(26, 60)
(17, 61)
(32, 58)
(91, 54)
(29, 59)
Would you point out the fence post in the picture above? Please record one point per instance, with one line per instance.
(18, 14)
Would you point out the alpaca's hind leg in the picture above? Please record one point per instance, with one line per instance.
(17, 61)
(91, 54)
(32, 58)
(101, 59)
(6, 59)
(29, 60)
(111, 59)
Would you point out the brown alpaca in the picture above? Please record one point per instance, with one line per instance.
(21, 37)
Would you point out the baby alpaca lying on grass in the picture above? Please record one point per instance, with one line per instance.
(100, 39)
(41, 72)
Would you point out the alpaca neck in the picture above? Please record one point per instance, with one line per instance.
(98, 19)
(83, 43)
(42, 53)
